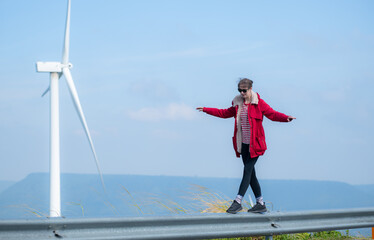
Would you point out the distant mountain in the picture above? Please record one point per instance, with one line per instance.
(369, 189)
(5, 184)
(134, 195)
(292, 195)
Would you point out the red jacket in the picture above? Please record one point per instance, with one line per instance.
(258, 108)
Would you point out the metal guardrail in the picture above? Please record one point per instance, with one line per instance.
(204, 226)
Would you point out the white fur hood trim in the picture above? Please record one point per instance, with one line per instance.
(238, 100)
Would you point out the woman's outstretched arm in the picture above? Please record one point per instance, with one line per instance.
(274, 115)
(222, 113)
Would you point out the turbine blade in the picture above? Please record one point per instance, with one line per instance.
(65, 52)
(78, 107)
(46, 91)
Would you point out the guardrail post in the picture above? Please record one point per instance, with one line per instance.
(372, 233)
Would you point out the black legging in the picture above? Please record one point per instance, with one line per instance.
(249, 173)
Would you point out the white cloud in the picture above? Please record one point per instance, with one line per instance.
(173, 111)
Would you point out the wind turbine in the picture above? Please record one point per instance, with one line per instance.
(56, 70)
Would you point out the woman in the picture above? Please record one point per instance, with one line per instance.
(249, 137)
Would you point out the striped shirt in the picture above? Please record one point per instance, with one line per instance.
(246, 128)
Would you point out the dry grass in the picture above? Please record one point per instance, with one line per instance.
(206, 201)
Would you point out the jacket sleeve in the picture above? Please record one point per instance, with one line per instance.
(271, 113)
(222, 113)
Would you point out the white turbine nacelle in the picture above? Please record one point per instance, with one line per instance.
(51, 66)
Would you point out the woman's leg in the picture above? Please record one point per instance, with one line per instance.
(249, 174)
(249, 177)
(255, 185)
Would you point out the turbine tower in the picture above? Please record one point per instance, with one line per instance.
(56, 70)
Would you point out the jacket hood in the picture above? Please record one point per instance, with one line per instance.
(238, 100)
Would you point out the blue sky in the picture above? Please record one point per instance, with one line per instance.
(142, 67)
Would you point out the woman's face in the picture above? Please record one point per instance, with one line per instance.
(246, 94)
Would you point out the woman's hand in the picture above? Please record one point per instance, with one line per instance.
(200, 109)
(290, 118)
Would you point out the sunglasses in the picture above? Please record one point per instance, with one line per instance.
(243, 90)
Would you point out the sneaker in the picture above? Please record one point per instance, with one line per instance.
(234, 208)
(258, 208)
